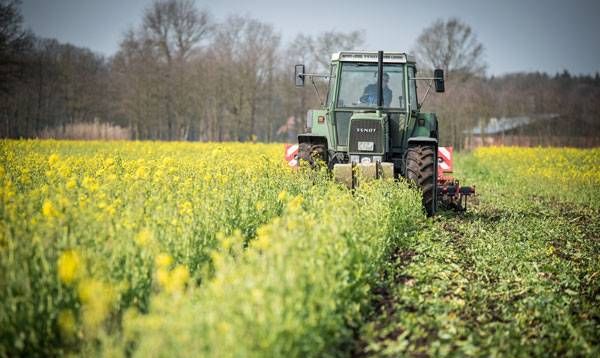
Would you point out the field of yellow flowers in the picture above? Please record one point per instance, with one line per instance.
(220, 249)
(562, 173)
(104, 246)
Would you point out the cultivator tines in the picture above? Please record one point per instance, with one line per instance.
(450, 193)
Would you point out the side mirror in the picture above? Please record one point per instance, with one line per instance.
(299, 75)
(438, 78)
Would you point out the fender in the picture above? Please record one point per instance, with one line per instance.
(423, 140)
(312, 139)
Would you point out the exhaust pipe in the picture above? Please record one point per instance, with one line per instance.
(379, 79)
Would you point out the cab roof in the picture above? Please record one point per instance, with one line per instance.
(371, 56)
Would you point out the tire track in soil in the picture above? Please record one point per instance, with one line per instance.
(383, 300)
(386, 304)
(457, 232)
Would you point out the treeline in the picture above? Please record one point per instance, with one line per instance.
(182, 75)
(56, 85)
(562, 104)
(179, 75)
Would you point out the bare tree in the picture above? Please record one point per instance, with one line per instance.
(14, 42)
(174, 28)
(136, 79)
(315, 52)
(243, 53)
(452, 46)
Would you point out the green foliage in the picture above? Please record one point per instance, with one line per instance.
(515, 276)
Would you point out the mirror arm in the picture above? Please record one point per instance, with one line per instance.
(426, 93)
(313, 75)
(312, 79)
(316, 90)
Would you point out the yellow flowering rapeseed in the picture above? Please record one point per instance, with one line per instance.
(71, 183)
(108, 227)
(163, 260)
(48, 209)
(179, 278)
(53, 159)
(560, 172)
(295, 203)
(173, 281)
(69, 267)
(97, 298)
(144, 237)
(562, 165)
(282, 196)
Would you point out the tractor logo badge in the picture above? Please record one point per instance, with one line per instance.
(366, 130)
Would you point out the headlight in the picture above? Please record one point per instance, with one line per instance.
(354, 159)
(365, 160)
(377, 158)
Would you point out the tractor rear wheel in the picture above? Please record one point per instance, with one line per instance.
(420, 169)
(312, 153)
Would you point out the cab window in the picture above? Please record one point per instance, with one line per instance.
(330, 90)
(358, 85)
(412, 88)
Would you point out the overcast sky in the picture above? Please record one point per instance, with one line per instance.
(518, 35)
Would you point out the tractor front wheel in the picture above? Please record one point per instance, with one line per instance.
(312, 153)
(420, 169)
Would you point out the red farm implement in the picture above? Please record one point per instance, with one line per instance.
(450, 194)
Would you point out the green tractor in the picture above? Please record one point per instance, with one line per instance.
(371, 126)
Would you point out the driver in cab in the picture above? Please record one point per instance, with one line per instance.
(370, 93)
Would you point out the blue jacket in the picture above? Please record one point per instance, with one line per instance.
(370, 95)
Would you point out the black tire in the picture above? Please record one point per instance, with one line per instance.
(420, 169)
(312, 153)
